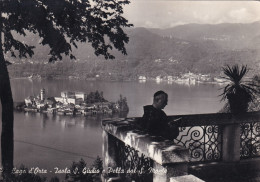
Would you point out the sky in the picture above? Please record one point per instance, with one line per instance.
(168, 13)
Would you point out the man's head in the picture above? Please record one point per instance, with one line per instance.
(160, 99)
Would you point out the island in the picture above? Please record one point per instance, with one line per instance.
(72, 103)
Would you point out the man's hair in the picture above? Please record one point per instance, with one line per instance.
(157, 95)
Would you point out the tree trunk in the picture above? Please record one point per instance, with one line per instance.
(7, 142)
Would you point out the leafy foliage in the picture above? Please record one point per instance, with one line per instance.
(62, 23)
(241, 94)
(122, 103)
(78, 171)
(94, 97)
(236, 84)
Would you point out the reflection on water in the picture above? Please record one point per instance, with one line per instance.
(49, 141)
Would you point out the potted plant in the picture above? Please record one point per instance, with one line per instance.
(238, 92)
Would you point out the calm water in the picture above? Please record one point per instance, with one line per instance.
(46, 141)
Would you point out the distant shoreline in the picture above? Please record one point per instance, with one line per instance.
(122, 80)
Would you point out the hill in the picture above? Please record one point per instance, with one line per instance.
(193, 47)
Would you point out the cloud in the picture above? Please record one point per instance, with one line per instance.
(201, 17)
(165, 14)
(241, 14)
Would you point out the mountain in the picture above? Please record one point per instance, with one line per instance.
(193, 47)
(227, 35)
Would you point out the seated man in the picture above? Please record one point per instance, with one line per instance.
(155, 121)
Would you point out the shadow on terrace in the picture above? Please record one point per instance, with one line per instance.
(210, 147)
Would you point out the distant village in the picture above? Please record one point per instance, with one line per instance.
(73, 103)
(186, 78)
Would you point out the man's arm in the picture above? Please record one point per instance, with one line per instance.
(172, 129)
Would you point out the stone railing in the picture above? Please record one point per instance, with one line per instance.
(221, 137)
(131, 153)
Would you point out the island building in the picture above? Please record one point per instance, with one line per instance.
(70, 103)
(68, 97)
(42, 94)
(142, 77)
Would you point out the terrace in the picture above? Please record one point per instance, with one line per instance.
(218, 144)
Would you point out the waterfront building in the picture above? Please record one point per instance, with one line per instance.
(59, 99)
(158, 79)
(105, 105)
(158, 60)
(67, 94)
(192, 81)
(81, 110)
(37, 101)
(71, 101)
(170, 78)
(65, 100)
(29, 101)
(43, 94)
(40, 105)
(58, 105)
(90, 106)
(141, 78)
(78, 102)
(220, 80)
(81, 95)
(50, 102)
(204, 77)
(51, 110)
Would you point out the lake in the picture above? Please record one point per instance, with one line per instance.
(47, 141)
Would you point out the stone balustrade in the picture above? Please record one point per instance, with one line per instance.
(219, 137)
(168, 158)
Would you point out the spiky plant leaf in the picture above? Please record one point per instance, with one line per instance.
(237, 85)
(235, 76)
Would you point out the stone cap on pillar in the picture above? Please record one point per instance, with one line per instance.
(161, 150)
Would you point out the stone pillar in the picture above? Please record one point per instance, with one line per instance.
(168, 159)
(109, 151)
(231, 143)
(164, 173)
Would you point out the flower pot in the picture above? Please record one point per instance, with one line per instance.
(238, 103)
